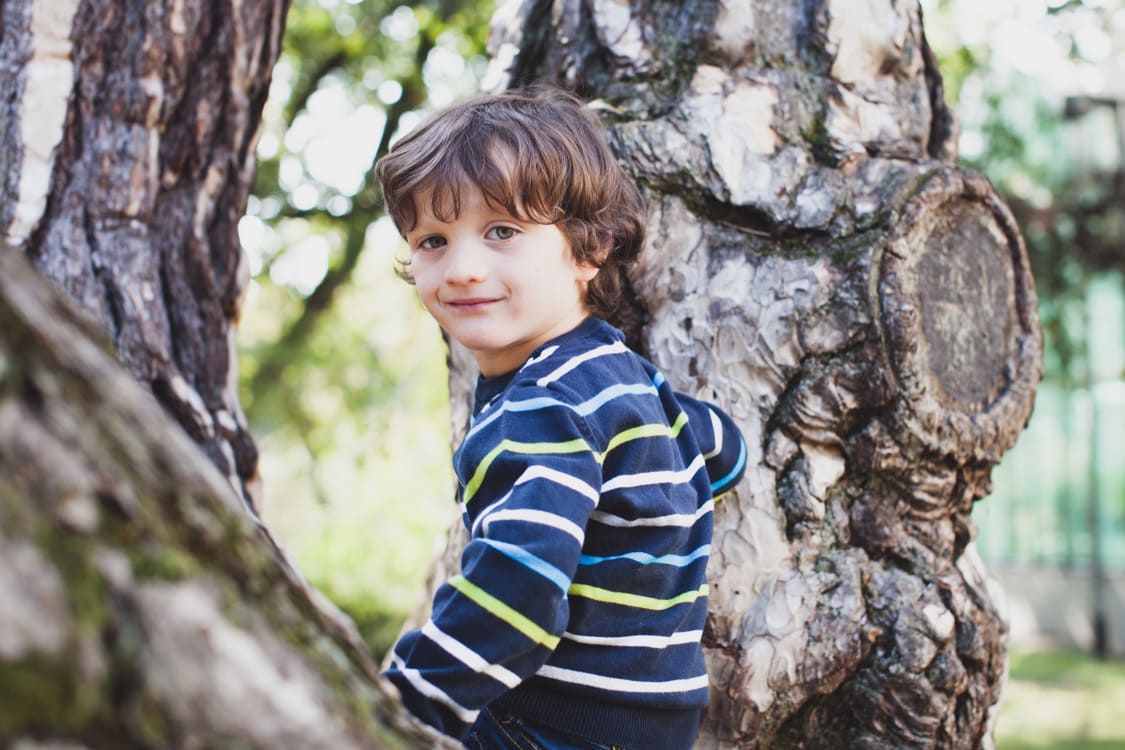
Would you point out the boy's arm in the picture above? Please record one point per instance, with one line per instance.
(536, 481)
(720, 441)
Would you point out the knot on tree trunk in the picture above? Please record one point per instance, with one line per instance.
(957, 306)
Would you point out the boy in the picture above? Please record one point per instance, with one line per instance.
(586, 483)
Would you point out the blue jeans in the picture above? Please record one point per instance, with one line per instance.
(496, 729)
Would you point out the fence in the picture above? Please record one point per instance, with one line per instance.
(1063, 483)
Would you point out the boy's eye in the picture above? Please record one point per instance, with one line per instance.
(432, 242)
(501, 233)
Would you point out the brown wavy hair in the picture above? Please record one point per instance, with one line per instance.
(540, 156)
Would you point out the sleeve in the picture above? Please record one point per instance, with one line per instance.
(720, 441)
(531, 480)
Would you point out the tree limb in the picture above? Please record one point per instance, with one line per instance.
(139, 603)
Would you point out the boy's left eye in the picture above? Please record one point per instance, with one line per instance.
(501, 233)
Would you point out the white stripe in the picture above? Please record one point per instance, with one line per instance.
(686, 520)
(655, 477)
(616, 347)
(433, 692)
(488, 511)
(541, 472)
(622, 685)
(542, 355)
(717, 430)
(637, 641)
(559, 477)
(537, 516)
(468, 657)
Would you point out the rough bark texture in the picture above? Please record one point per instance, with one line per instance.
(820, 266)
(128, 132)
(140, 607)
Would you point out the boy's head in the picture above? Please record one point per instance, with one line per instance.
(538, 156)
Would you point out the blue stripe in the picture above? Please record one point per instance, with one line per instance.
(716, 486)
(644, 558)
(532, 562)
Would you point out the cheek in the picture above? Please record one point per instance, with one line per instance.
(423, 269)
(425, 283)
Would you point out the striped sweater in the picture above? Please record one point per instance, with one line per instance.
(587, 486)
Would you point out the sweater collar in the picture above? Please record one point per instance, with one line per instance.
(591, 328)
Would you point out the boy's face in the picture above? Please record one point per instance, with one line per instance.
(499, 285)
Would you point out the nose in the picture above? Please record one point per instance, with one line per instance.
(466, 262)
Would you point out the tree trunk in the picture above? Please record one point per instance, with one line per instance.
(128, 133)
(819, 265)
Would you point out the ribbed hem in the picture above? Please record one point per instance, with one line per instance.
(628, 727)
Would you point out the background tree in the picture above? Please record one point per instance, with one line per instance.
(816, 213)
(129, 133)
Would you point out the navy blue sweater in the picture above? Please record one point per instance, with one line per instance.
(587, 486)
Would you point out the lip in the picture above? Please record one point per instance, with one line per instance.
(471, 304)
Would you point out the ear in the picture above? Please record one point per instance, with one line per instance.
(586, 271)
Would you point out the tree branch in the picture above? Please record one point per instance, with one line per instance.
(191, 625)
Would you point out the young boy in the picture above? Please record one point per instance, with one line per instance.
(587, 485)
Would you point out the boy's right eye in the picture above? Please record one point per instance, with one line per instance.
(433, 242)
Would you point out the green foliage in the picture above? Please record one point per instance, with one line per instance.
(359, 491)
(1038, 512)
(350, 75)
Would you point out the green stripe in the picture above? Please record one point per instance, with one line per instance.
(646, 430)
(635, 600)
(494, 606)
(577, 445)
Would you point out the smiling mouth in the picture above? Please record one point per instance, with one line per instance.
(471, 304)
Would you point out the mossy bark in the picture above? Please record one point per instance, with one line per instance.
(141, 602)
(140, 606)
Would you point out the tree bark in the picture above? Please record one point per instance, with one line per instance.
(819, 265)
(129, 132)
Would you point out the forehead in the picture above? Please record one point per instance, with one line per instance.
(448, 202)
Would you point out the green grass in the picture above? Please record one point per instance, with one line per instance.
(1062, 700)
